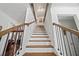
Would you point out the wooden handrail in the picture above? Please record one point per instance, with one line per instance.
(17, 30)
(33, 11)
(67, 29)
(0, 28)
(45, 12)
(13, 28)
(29, 23)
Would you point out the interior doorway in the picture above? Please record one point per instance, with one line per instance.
(67, 21)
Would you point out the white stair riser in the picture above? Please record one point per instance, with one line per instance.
(39, 39)
(39, 35)
(39, 43)
(39, 49)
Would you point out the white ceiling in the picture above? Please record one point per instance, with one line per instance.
(17, 11)
(14, 10)
(39, 9)
(66, 4)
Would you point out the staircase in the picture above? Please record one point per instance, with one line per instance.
(39, 44)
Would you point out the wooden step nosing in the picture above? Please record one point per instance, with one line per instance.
(39, 54)
(39, 46)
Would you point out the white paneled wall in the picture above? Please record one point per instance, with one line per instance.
(28, 29)
(48, 25)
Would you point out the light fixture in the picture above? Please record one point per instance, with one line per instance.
(40, 9)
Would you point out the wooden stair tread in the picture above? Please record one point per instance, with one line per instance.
(39, 54)
(39, 46)
(39, 41)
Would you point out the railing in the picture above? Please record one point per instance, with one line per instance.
(0, 30)
(67, 40)
(14, 39)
